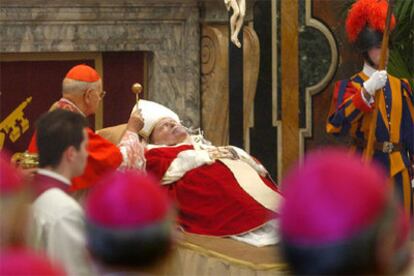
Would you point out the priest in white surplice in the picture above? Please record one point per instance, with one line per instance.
(58, 219)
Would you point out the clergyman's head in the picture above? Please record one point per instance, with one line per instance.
(83, 86)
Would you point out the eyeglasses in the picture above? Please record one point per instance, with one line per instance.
(102, 94)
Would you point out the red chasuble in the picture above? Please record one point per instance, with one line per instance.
(210, 200)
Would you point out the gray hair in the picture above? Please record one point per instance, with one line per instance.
(70, 86)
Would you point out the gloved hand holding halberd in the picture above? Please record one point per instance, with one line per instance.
(375, 82)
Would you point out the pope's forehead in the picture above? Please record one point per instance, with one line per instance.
(167, 120)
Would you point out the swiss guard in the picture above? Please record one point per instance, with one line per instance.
(355, 99)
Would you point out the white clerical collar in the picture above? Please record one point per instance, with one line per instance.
(368, 70)
(72, 104)
(54, 175)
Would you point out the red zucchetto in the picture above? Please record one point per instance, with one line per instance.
(83, 72)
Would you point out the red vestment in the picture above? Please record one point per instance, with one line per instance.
(103, 156)
(209, 198)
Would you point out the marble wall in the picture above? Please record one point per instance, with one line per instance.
(168, 29)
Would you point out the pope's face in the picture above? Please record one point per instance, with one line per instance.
(168, 132)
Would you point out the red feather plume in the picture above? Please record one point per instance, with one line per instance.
(371, 13)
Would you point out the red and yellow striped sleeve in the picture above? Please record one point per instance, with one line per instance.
(347, 107)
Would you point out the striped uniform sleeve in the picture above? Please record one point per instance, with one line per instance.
(408, 92)
(407, 134)
(347, 107)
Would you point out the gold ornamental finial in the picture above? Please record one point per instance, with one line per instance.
(136, 88)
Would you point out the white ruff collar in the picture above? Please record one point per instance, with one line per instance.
(368, 70)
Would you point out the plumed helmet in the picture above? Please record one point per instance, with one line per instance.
(365, 23)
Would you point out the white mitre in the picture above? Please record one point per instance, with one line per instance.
(152, 113)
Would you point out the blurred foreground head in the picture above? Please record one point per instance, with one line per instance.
(128, 221)
(339, 217)
(19, 261)
(14, 199)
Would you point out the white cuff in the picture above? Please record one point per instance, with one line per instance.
(184, 162)
(132, 151)
(368, 102)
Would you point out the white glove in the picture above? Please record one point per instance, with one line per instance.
(375, 82)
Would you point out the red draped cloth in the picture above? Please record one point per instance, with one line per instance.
(210, 200)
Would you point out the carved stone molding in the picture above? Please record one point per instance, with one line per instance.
(251, 58)
(215, 83)
(318, 87)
